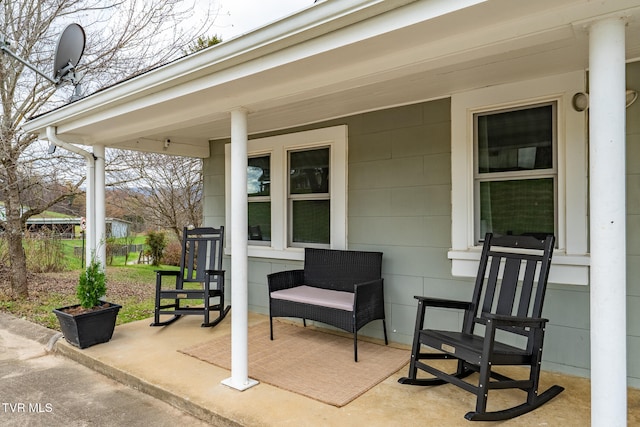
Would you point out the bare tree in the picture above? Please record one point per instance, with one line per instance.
(168, 189)
(124, 38)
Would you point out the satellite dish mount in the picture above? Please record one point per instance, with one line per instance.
(69, 50)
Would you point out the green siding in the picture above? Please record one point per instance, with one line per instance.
(633, 229)
(214, 183)
(399, 202)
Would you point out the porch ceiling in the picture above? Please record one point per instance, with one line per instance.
(384, 58)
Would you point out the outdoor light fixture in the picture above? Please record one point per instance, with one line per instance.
(632, 95)
(580, 100)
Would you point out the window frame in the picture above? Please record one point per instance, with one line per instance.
(260, 199)
(294, 197)
(571, 258)
(278, 148)
(529, 174)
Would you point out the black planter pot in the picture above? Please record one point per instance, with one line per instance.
(90, 328)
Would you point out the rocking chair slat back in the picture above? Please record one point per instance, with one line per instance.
(202, 251)
(510, 288)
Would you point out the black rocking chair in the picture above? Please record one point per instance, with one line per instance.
(507, 302)
(200, 279)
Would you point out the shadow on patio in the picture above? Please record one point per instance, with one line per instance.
(148, 359)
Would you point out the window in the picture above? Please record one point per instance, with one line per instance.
(515, 171)
(517, 145)
(259, 195)
(296, 191)
(309, 205)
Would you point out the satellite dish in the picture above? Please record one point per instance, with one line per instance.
(68, 52)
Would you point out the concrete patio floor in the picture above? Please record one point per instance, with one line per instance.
(147, 358)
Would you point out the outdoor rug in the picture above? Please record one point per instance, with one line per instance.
(315, 364)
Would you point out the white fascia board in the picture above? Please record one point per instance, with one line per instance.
(291, 31)
(238, 50)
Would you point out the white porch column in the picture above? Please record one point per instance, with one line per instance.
(239, 264)
(100, 226)
(90, 233)
(607, 216)
(90, 210)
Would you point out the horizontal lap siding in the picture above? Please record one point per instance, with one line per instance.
(399, 203)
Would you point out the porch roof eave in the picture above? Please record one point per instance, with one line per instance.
(311, 22)
(332, 60)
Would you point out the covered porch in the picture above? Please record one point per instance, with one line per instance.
(337, 62)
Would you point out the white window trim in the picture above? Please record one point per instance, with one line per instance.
(277, 147)
(571, 258)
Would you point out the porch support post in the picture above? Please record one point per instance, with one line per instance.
(52, 136)
(100, 211)
(607, 216)
(239, 262)
(90, 212)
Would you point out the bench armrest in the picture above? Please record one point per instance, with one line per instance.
(368, 298)
(367, 291)
(368, 302)
(285, 280)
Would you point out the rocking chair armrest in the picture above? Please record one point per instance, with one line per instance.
(215, 277)
(285, 279)
(167, 273)
(444, 303)
(215, 272)
(506, 320)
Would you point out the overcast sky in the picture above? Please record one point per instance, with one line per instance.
(240, 16)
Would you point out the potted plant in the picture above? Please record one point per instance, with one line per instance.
(93, 320)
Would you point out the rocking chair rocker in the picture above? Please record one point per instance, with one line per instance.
(509, 305)
(200, 278)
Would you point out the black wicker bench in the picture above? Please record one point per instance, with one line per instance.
(340, 288)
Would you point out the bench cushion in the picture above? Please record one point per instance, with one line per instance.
(317, 296)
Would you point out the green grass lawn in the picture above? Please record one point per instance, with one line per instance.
(129, 284)
(74, 261)
(132, 286)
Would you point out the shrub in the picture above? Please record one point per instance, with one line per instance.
(44, 252)
(111, 247)
(172, 254)
(92, 285)
(157, 242)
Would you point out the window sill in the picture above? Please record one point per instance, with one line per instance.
(565, 269)
(293, 254)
